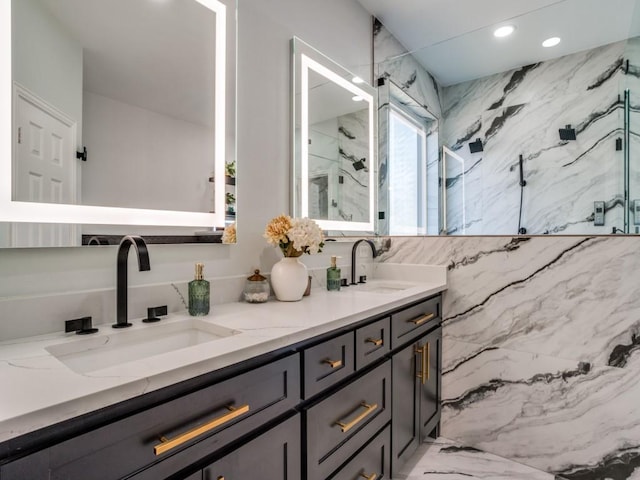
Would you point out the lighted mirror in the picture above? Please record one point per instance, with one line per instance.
(536, 140)
(335, 161)
(116, 117)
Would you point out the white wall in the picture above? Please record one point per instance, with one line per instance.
(127, 145)
(46, 59)
(339, 28)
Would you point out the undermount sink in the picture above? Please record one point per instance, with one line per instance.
(382, 286)
(95, 353)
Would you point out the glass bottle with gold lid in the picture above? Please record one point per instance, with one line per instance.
(256, 288)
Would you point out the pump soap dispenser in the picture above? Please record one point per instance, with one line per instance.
(199, 293)
(333, 276)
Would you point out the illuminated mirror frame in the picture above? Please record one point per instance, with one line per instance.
(306, 58)
(15, 211)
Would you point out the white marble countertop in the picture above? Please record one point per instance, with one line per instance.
(39, 390)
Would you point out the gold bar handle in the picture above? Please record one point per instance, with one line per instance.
(424, 352)
(376, 342)
(346, 426)
(373, 476)
(333, 363)
(169, 444)
(421, 320)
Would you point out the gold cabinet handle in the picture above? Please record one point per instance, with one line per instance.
(373, 476)
(333, 363)
(421, 320)
(346, 426)
(168, 444)
(424, 352)
(376, 342)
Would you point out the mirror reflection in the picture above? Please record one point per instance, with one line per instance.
(122, 104)
(539, 139)
(334, 143)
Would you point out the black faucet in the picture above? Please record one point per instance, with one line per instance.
(353, 256)
(121, 281)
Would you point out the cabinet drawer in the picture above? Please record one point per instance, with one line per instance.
(413, 321)
(339, 425)
(373, 462)
(328, 363)
(133, 443)
(372, 342)
(274, 455)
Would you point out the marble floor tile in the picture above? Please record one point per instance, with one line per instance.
(445, 459)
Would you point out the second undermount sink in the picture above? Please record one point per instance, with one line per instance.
(94, 353)
(384, 286)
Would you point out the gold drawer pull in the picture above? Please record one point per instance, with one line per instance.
(424, 374)
(421, 320)
(373, 476)
(169, 444)
(333, 363)
(377, 342)
(346, 426)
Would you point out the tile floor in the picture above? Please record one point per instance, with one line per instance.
(445, 459)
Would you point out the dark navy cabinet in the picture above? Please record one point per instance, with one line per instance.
(352, 403)
(416, 382)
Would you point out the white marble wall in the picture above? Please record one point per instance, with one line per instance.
(541, 349)
(353, 143)
(335, 145)
(518, 113)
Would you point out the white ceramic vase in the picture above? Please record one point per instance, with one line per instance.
(289, 279)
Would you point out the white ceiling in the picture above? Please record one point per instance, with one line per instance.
(155, 54)
(453, 39)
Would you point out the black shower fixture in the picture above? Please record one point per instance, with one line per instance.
(567, 133)
(475, 147)
(359, 165)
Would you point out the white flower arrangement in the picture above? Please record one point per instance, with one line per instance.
(294, 236)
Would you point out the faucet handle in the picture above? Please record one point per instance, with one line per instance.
(154, 312)
(82, 326)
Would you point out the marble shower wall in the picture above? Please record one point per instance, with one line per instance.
(339, 191)
(355, 164)
(519, 113)
(632, 82)
(541, 349)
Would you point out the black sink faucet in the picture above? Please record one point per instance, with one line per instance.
(353, 256)
(121, 280)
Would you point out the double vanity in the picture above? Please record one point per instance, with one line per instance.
(339, 385)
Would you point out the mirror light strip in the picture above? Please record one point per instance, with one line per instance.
(14, 211)
(306, 64)
(5, 105)
(220, 107)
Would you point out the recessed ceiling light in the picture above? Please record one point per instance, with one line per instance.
(504, 31)
(551, 42)
(357, 80)
(357, 98)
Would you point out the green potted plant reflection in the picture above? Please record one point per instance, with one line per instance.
(230, 202)
(230, 173)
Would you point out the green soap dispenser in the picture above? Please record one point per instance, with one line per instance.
(333, 276)
(199, 293)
